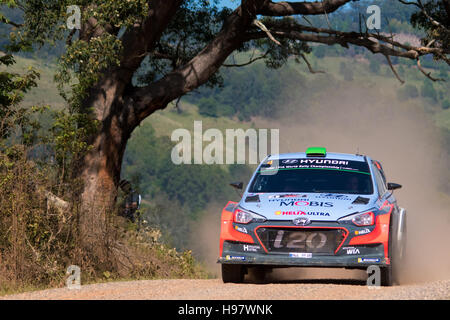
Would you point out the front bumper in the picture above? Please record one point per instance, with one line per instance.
(359, 247)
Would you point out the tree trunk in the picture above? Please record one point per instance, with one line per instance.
(100, 174)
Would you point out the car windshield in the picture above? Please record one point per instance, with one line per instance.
(351, 178)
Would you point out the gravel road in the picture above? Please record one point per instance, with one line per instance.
(183, 289)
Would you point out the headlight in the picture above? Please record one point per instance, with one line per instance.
(244, 216)
(360, 219)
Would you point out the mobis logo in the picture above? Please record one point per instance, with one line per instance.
(306, 203)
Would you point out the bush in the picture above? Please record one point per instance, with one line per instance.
(427, 90)
(445, 104)
(208, 107)
(409, 91)
(319, 51)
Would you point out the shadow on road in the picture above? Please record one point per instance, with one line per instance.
(310, 276)
(354, 282)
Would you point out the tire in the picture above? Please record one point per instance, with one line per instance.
(232, 273)
(387, 278)
(389, 274)
(397, 249)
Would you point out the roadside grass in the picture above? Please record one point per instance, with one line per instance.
(151, 260)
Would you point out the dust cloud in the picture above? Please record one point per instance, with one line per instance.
(402, 137)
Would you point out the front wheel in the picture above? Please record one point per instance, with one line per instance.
(232, 273)
(387, 278)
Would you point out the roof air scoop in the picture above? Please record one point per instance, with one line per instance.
(316, 152)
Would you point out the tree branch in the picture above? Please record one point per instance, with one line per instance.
(425, 13)
(370, 41)
(393, 70)
(428, 75)
(307, 8)
(260, 25)
(248, 62)
(309, 65)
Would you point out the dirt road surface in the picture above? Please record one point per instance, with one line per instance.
(214, 289)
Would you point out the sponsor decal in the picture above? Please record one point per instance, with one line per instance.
(290, 199)
(292, 203)
(351, 250)
(328, 164)
(361, 232)
(324, 161)
(333, 196)
(300, 254)
(283, 196)
(228, 257)
(289, 161)
(370, 260)
(303, 221)
(301, 213)
(315, 213)
(289, 213)
(250, 248)
(241, 229)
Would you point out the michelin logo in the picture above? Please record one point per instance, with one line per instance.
(371, 260)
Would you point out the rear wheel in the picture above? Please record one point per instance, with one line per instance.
(233, 273)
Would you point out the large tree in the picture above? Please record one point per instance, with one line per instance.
(176, 46)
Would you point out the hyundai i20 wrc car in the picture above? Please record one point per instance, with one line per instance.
(313, 209)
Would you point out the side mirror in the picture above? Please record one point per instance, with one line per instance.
(237, 185)
(393, 186)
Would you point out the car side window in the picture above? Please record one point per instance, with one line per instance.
(379, 181)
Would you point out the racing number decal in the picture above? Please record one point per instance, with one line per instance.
(300, 240)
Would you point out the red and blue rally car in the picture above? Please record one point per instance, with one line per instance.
(313, 209)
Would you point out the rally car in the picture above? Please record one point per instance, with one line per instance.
(313, 209)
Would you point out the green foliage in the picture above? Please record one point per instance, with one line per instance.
(319, 51)
(250, 91)
(436, 10)
(409, 91)
(88, 59)
(118, 13)
(427, 90)
(446, 104)
(68, 136)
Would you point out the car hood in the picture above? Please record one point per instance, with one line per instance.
(316, 206)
